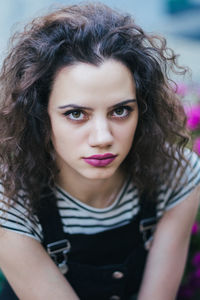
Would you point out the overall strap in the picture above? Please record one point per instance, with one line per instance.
(54, 239)
(148, 217)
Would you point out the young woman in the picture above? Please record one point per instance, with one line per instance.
(98, 190)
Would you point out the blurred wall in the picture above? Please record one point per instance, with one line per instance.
(178, 20)
(13, 11)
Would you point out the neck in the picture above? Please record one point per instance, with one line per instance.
(97, 193)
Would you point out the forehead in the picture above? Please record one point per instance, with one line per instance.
(87, 82)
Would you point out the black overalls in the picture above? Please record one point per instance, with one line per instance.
(102, 266)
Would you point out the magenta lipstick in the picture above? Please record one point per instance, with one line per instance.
(100, 160)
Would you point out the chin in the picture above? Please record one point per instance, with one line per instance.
(99, 174)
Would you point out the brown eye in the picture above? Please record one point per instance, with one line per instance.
(122, 112)
(119, 111)
(76, 114)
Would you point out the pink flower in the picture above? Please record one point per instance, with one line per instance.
(181, 89)
(196, 262)
(185, 292)
(196, 146)
(193, 117)
(194, 279)
(195, 228)
(197, 273)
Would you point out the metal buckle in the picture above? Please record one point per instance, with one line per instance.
(147, 227)
(58, 252)
(147, 224)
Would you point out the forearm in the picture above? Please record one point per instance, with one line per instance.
(52, 287)
(162, 276)
(167, 257)
(30, 271)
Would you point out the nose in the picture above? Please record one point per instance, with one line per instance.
(100, 133)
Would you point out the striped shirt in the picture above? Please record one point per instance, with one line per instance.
(80, 218)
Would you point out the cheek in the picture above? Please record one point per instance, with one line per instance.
(125, 134)
(65, 136)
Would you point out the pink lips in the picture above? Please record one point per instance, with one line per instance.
(100, 160)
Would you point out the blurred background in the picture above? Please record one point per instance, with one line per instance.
(179, 22)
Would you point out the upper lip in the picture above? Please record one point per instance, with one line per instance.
(102, 156)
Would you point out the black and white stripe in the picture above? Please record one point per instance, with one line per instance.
(79, 218)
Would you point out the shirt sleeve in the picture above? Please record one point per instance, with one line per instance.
(184, 180)
(17, 219)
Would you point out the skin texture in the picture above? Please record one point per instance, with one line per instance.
(102, 128)
(29, 269)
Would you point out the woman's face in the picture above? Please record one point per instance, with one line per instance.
(93, 111)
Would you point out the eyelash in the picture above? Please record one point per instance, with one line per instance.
(69, 112)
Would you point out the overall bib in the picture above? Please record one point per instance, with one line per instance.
(101, 266)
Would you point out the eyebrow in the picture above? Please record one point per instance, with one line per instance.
(89, 108)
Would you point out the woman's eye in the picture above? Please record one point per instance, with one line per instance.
(122, 112)
(75, 115)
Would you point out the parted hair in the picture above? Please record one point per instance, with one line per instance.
(86, 33)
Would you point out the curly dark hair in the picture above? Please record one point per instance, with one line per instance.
(88, 33)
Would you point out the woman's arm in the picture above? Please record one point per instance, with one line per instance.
(167, 256)
(30, 271)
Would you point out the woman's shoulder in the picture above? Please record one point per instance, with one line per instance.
(183, 177)
(15, 215)
(187, 172)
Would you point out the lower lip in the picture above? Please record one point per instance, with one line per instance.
(99, 162)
